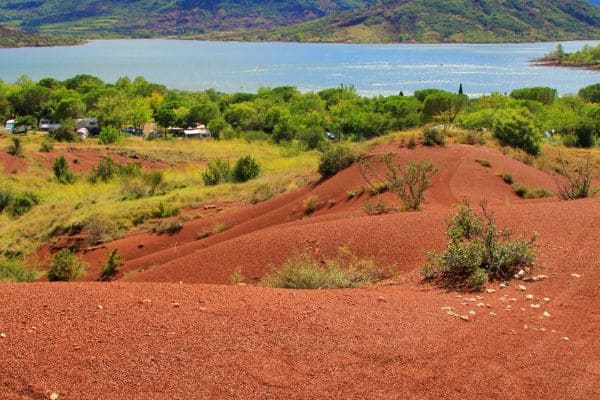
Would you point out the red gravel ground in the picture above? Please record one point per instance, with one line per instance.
(11, 164)
(157, 338)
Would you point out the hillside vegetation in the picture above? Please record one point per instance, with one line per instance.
(588, 57)
(13, 38)
(312, 20)
(453, 21)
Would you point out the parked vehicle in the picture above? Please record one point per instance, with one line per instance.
(90, 124)
(130, 130)
(48, 125)
(12, 127)
(198, 132)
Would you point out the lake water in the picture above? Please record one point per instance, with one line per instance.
(234, 66)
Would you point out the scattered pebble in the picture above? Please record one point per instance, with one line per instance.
(451, 313)
(513, 299)
(576, 275)
(488, 305)
(492, 314)
(503, 285)
(541, 277)
(458, 296)
(566, 339)
(382, 299)
(529, 296)
(2, 335)
(472, 312)
(447, 308)
(464, 318)
(480, 304)
(490, 290)
(53, 396)
(175, 304)
(546, 299)
(546, 314)
(534, 305)
(100, 307)
(521, 288)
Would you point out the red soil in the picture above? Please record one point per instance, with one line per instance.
(83, 160)
(12, 164)
(156, 339)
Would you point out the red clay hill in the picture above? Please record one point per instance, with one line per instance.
(168, 328)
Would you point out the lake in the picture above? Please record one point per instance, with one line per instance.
(235, 66)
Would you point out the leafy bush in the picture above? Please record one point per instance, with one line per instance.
(111, 267)
(143, 185)
(477, 252)
(236, 276)
(334, 159)
(345, 271)
(515, 128)
(217, 171)
(585, 131)
(65, 133)
(65, 266)
(411, 182)
(47, 145)
(164, 211)
(544, 95)
(531, 193)
(15, 148)
(434, 137)
(109, 135)
(169, 227)
(6, 197)
(106, 169)
(245, 169)
(578, 185)
(21, 203)
(14, 270)
(591, 93)
(507, 178)
(61, 171)
(310, 204)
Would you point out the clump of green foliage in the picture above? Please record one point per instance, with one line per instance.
(544, 95)
(507, 178)
(577, 184)
(310, 204)
(217, 171)
(109, 135)
(13, 269)
(245, 169)
(334, 159)
(145, 184)
(236, 276)
(65, 266)
(66, 133)
(107, 169)
(165, 211)
(47, 145)
(477, 252)
(15, 148)
(111, 267)
(434, 137)
(515, 128)
(62, 172)
(527, 192)
(18, 203)
(345, 271)
(169, 227)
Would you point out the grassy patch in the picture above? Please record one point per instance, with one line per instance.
(531, 193)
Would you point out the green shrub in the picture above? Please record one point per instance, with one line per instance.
(434, 137)
(516, 128)
(109, 135)
(236, 276)
(21, 203)
(15, 148)
(65, 266)
(585, 131)
(531, 193)
(591, 93)
(217, 171)
(144, 185)
(65, 133)
(507, 178)
(169, 227)
(154, 180)
(14, 270)
(111, 267)
(411, 182)
(477, 252)
(6, 197)
(262, 193)
(310, 204)
(106, 169)
(164, 211)
(345, 271)
(61, 171)
(544, 95)
(245, 169)
(334, 159)
(577, 184)
(47, 145)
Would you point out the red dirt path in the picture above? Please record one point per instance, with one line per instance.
(155, 339)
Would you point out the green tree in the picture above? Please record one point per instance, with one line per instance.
(516, 128)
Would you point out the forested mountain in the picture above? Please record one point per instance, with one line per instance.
(312, 20)
(454, 21)
(151, 17)
(13, 38)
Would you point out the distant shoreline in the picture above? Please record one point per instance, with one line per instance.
(551, 62)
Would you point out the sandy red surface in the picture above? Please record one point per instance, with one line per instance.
(147, 336)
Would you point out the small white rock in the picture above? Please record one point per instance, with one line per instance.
(492, 314)
(503, 285)
(2, 335)
(566, 339)
(521, 288)
(546, 314)
(54, 396)
(447, 308)
(529, 296)
(472, 312)
(534, 305)
(465, 318)
(480, 304)
(100, 307)
(576, 275)
(546, 299)
(490, 290)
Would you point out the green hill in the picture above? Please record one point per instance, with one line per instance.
(453, 21)
(13, 38)
(311, 20)
(163, 17)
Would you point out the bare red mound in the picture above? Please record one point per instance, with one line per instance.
(12, 164)
(256, 236)
(83, 160)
